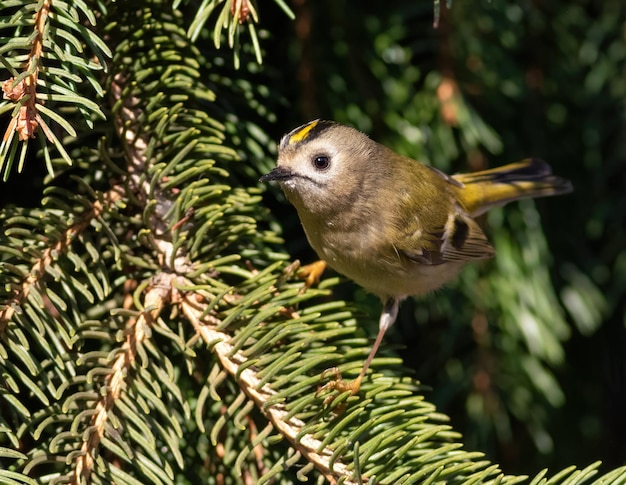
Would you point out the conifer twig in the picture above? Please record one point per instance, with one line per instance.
(249, 382)
(27, 119)
(157, 296)
(38, 270)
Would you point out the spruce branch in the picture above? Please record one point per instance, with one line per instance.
(233, 15)
(39, 271)
(127, 120)
(23, 90)
(312, 449)
(157, 296)
(95, 385)
(35, 93)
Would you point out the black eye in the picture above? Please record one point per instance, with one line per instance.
(321, 162)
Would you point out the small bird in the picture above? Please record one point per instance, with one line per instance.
(396, 227)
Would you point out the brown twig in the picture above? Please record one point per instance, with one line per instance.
(157, 296)
(240, 9)
(25, 92)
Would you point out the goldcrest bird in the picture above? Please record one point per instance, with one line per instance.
(393, 225)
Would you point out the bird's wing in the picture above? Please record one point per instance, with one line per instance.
(458, 238)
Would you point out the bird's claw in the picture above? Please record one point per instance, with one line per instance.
(337, 384)
(311, 273)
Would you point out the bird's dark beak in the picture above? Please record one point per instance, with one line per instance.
(279, 173)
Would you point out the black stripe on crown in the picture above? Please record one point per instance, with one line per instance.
(305, 133)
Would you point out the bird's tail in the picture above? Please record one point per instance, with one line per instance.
(498, 186)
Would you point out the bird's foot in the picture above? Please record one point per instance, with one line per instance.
(337, 384)
(311, 273)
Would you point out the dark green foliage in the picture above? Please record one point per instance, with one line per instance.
(544, 348)
(152, 329)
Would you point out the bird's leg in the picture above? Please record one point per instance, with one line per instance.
(387, 317)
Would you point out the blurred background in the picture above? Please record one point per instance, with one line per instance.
(526, 353)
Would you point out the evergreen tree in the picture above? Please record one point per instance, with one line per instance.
(153, 327)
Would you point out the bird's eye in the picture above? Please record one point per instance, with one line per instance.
(321, 162)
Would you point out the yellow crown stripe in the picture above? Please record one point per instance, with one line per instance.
(301, 134)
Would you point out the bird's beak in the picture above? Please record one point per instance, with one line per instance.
(279, 173)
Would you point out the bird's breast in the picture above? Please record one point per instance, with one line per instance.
(362, 253)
